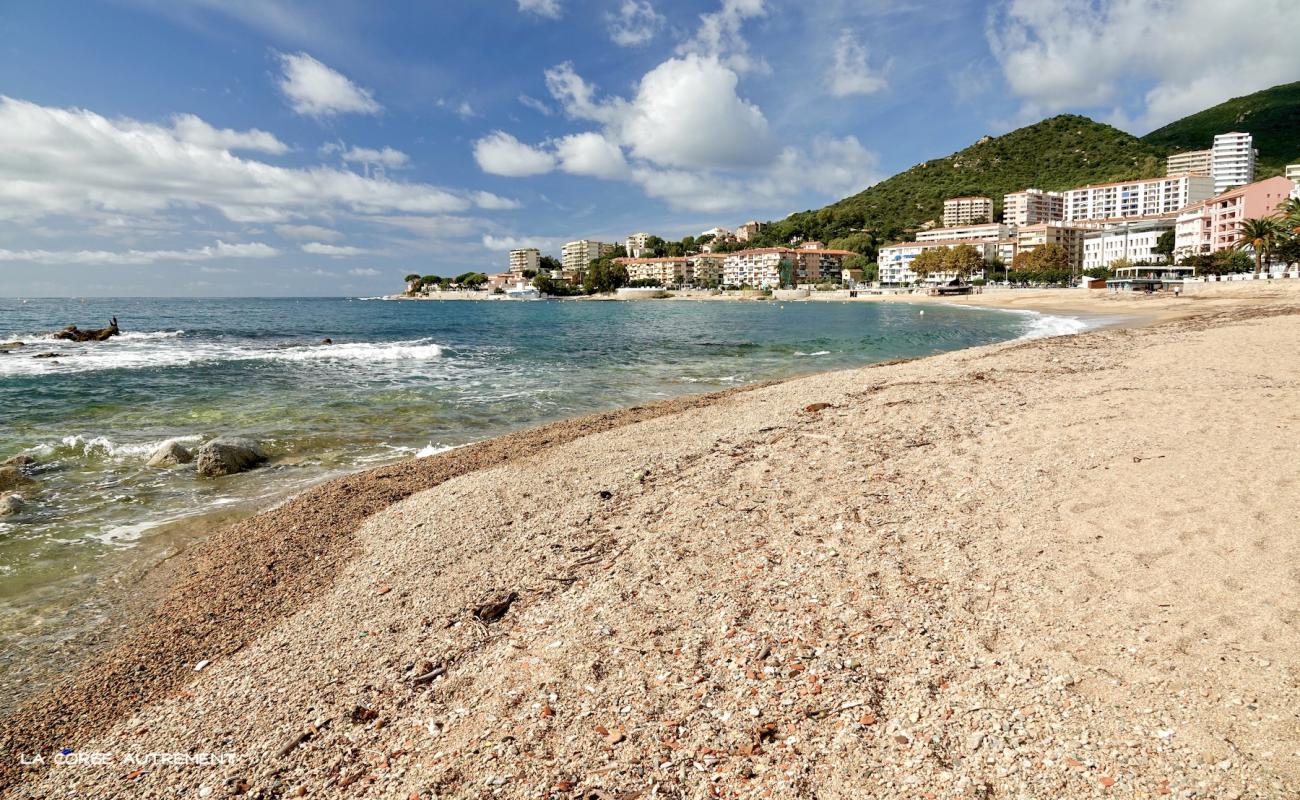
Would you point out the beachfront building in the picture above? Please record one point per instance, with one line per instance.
(635, 245)
(1191, 162)
(895, 261)
(501, 280)
(1232, 161)
(1192, 232)
(760, 268)
(1070, 237)
(707, 268)
(747, 231)
(1226, 211)
(1149, 197)
(527, 258)
(671, 271)
(1293, 175)
(1032, 206)
(971, 234)
(1131, 241)
(577, 256)
(967, 211)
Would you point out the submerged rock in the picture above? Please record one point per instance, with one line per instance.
(227, 455)
(11, 478)
(169, 454)
(11, 505)
(20, 460)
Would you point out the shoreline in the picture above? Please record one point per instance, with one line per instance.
(318, 546)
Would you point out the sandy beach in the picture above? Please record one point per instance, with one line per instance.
(1059, 567)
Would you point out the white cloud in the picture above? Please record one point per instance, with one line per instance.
(74, 162)
(308, 232)
(850, 74)
(831, 167)
(577, 97)
(315, 90)
(191, 129)
(504, 243)
(719, 36)
(590, 154)
(387, 157)
(364, 272)
(492, 202)
(529, 101)
(436, 228)
(465, 110)
(635, 23)
(136, 257)
(499, 153)
(333, 250)
(550, 9)
(1058, 54)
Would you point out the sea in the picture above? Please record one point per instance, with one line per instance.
(398, 380)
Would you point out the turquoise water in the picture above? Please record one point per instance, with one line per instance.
(400, 378)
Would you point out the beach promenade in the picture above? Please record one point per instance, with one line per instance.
(1060, 567)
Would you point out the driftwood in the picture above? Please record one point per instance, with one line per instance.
(74, 334)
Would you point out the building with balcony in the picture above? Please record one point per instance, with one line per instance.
(1192, 232)
(663, 271)
(707, 268)
(1032, 206)
(1151, 197)
(1191, 162)
(1232, 160)
(635, 245)
(577, 256)
(1227, 211)
(1132, 241)
(1070, 237)
(528, 258)
(895, 261)
(765, 267)
(967, 211)
(747, 231)
(1293, 175)
(971, 234)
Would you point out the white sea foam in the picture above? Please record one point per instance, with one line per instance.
(1044, 325)
(432, 450)
(103, 446)
(131, 336)
(818, 353)
(420, 350)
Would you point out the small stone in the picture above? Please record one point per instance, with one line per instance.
(169, 454)
(974, 741)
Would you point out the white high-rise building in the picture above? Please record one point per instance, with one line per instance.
(1143, 198)
(1232, 161)
(635, 246)
(1134, 242)
(577, 256)
(527, 258)
(967, 211)
(1032, 206)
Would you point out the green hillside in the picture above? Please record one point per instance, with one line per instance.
(1271, 116)
(1058, 153)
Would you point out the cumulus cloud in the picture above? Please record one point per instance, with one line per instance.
(550, 9)
(590, 154)
(635, 23)
(191, 129)
(219, 250)
(850, 74)
(364, 272)
(499, 153)
(333, 250)
(719, 36)
(74, 162)
(315, 90)
(1056, 54)
(387, 157)
(504, 243)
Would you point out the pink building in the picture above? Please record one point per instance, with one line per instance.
(1226, 211)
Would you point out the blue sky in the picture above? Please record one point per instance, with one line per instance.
(276, 147)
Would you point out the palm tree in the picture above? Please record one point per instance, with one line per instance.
(1259, 234)
(1289, 211)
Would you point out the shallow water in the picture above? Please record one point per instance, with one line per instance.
(400, 379)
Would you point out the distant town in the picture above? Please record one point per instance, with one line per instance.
(1206, 218)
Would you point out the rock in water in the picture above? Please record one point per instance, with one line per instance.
(12, 478)
(20, 460)
(169, 454)
(10, 505)
(227, 455)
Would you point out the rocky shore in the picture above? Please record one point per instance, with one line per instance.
(1054, 568)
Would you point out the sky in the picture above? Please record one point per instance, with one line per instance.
(287, 147)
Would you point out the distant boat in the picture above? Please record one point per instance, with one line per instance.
(523, 293)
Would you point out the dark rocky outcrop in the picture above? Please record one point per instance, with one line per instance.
(12, 477)
(227, 455)
(74, 334)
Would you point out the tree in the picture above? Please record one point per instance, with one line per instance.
(472, 279)
(411, 277)
(549, 264)
(1288, 212)
(1051, 258)
(1260, 235)
(604, 275)
(928, 262)
(861, 243)
(963, 260)
(655, 247)
(1288, 251)
(1165, 246)
(430, 280)
(528, 274)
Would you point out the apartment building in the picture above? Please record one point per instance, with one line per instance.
(967, 211)
(577, 256)
(635, 245)
(527, 258)
(1150, 197)
(1032, 237)
(1134, 241)
(1227, 211)
(1192, 162)
(747, 231)
(1293, 175)
(1192, 232)
(895, 261)
(1232, 160)
(759, 268)
(664, 271)
(1032, 206)
(971, 234)
(707, 268)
